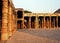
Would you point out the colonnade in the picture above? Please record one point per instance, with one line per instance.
(8, 19)
(42, 22)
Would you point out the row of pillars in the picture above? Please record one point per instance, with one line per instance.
(49, 23)
(8, 19)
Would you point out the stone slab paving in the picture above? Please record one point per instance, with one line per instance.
(35, 36)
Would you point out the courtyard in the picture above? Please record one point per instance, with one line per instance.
(35, 36)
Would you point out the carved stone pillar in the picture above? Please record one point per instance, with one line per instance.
(44, 23)
(21, 24)
(36, 23)
(54, 22)
(13, 23)
(22, 21)
(16, 18)
(50, 21)
(10, 20)
(4, 35)
(29, 22)
(57, 21)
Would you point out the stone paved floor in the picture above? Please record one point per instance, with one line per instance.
(34, 36)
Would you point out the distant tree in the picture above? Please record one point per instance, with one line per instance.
(26, 11)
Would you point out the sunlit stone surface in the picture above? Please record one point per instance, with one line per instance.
(16, 26)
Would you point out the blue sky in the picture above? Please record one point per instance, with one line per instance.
(41, 6)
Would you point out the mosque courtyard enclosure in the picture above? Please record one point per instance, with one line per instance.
(12, 18)
(39, 20)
